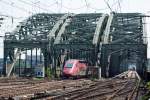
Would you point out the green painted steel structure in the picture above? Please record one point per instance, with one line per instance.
(112, 42)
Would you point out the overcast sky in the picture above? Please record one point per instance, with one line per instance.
(21, 9)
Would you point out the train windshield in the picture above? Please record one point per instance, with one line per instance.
(69, 65)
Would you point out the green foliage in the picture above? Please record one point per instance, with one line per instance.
(49, 73)
(147, 95)
(93, 78)
(38, 78)
(148, 85)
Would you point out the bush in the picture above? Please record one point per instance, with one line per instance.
(49, 73)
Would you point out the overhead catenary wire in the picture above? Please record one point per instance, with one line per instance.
(61, 6)
(9, 16)
(119, 4)
(108, 5)
(86, 3)
(48, 5)
(47, 10)
(69, 8)
(118, 7)
(12, 17)
(100, 9)
(23, 8)
(20, 8)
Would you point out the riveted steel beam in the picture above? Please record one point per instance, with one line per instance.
(100, 28)
(57, 26)
(62, 30)
(11, 66)
(124, 31)
(31, 33)
(107, 29)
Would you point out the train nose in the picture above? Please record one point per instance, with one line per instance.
(67, 70)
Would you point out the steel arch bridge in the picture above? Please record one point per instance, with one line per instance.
(111, 42)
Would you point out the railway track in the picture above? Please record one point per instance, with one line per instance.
(113, 89)
(27, 87)
(109, 90)
(117, 88)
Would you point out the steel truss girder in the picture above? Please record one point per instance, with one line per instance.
(127, 52)
(127, 26)
(66, 23)
(107, 30)
(29, 28)
(99, 29)
(124, 34)
(80, 29)
(56, 34)
(57, 26)
(32, 33)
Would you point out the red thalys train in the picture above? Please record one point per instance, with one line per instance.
(74, 67)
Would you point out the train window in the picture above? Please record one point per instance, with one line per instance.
(82, 61)
(69, 65)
